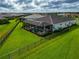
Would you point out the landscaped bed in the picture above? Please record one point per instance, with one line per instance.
(19, 38)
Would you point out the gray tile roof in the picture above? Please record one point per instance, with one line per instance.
(34, 16)
(38, 23)
(47, 20)
(59, 19)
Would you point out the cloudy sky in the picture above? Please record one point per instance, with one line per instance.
(39, 6)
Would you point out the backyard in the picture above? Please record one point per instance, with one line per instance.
(64, 46)
(19, 38)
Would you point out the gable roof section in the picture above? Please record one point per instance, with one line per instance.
(45, 19)
(34, 22)
(53, 19)
(34, 16)
(37, 19)
(59, 19)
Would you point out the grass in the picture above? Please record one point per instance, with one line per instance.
(18, 39)
(4, 28)
(65, 46)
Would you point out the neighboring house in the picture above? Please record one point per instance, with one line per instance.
(73, 14)
(11, 16)
(42, 25)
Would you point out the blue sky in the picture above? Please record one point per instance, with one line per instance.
(39, 6)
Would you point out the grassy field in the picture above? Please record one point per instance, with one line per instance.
(4, 28)
(18, 39)
(65, 46)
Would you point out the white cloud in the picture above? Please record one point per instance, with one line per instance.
(70, 5)
(33, 3)
(15, 6)
(56, 0)
(38, 5)
(1, 8)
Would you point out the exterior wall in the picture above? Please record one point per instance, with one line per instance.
(63, 25)
(44, 30)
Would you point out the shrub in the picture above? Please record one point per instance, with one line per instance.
(4, 21)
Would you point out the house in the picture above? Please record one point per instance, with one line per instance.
(44, 24)
(11, 16)
(68, 14)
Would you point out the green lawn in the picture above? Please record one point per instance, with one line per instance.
(5, 27)
(18, 39)
(65, 46)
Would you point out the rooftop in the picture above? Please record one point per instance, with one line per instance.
(48, 20)
(34, 16)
